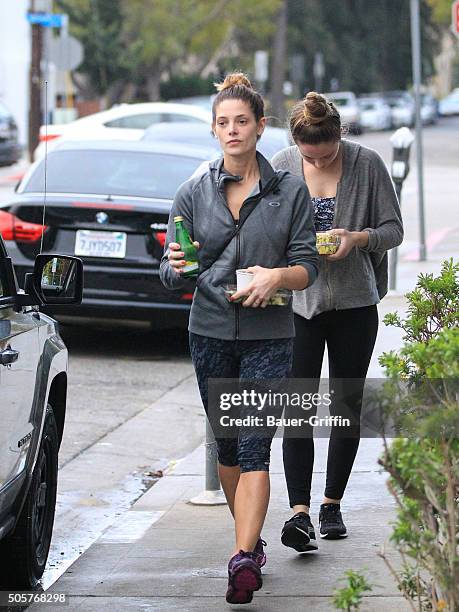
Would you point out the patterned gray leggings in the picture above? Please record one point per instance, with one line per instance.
(258, 360)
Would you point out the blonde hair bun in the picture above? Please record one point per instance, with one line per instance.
(234, 79)
(316, 108)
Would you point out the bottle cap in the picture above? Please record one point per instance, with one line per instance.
(178, 218)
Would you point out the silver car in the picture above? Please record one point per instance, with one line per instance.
(33, 390)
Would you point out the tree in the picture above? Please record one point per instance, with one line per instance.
(366, 45)
(98, 26)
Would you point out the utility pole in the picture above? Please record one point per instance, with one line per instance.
(417, 79)
(279, 64)
(35, 113)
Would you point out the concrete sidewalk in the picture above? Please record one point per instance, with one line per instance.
(165, 554)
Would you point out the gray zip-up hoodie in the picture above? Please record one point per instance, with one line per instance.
(278, 232)
(365, 201)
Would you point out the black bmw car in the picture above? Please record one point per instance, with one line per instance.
(108, 203)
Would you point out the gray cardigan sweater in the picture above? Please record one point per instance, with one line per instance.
(365, 201)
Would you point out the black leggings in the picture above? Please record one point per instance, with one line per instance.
(350, 336)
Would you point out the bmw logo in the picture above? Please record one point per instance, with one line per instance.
(102, 218)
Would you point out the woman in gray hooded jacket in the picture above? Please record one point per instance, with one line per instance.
(354, 198)
(244, 215)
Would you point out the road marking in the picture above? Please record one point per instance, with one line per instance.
(432, 241)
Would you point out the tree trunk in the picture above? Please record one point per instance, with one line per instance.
(443, 81)
(279, 64)
(152, 83)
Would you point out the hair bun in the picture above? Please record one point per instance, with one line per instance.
(316, 108)
(233, 80)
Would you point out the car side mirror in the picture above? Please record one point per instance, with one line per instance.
(58, 279)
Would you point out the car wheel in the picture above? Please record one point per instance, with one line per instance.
(25, 551)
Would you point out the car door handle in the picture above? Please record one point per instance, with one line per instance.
(8, 356)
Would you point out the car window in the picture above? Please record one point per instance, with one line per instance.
(135, 122)
(130, 173)
(170, 117)
(341, 101)
(4, 114)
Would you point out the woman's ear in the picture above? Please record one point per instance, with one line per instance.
(261, 127)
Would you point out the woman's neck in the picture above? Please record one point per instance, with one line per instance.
(244, 166)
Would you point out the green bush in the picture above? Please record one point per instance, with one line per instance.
(422, 402)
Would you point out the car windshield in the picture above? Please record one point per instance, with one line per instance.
(367, 106)
(341, 101)
(128, 173)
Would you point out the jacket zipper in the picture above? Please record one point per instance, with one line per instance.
(258, 196)
(237, 312)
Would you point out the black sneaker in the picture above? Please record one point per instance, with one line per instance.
(331, 524)
(298, 533)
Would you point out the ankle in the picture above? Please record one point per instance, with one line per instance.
(300, 508)
(329, 500)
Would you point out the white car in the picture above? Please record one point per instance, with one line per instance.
(348, 108)
(123, 122)
(450, 104)
(375, 114)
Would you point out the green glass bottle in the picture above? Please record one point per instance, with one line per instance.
(186, 244)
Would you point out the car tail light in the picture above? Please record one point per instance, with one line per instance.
(13, 228)
(186, 296)
(160, 237)
(48, 137)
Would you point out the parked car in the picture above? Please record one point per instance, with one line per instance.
(429, 109)
(201, 101)
(272, 140)
(402, 107)
(123, 122)
(349, 110)
(450, 104)
(33, 391)
(108, 203)
(375, 113)
(10, 149)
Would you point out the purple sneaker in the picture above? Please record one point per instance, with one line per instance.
(258, 550)
(244, 577)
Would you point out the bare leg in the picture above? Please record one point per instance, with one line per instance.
(250, 506)
(301, 508)
(229, 477)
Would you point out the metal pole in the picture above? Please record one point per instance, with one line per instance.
(416, 61)
(393, 255)
(35, 85)
(212, 495)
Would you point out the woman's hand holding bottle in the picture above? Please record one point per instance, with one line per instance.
(176, 256)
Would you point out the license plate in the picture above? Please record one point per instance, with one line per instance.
(100, 244)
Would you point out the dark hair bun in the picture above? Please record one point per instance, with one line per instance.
(316, 108)
(233, 80)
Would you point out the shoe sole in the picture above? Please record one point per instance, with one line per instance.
(244, 582)
(298, 540)
(332, 536)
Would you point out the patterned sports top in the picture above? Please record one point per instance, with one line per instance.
(324, 209)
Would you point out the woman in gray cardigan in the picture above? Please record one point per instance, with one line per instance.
(353, 197)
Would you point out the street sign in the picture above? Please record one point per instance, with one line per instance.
(66, 52)
(261, 66)
(47, 20)
(455, 18)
